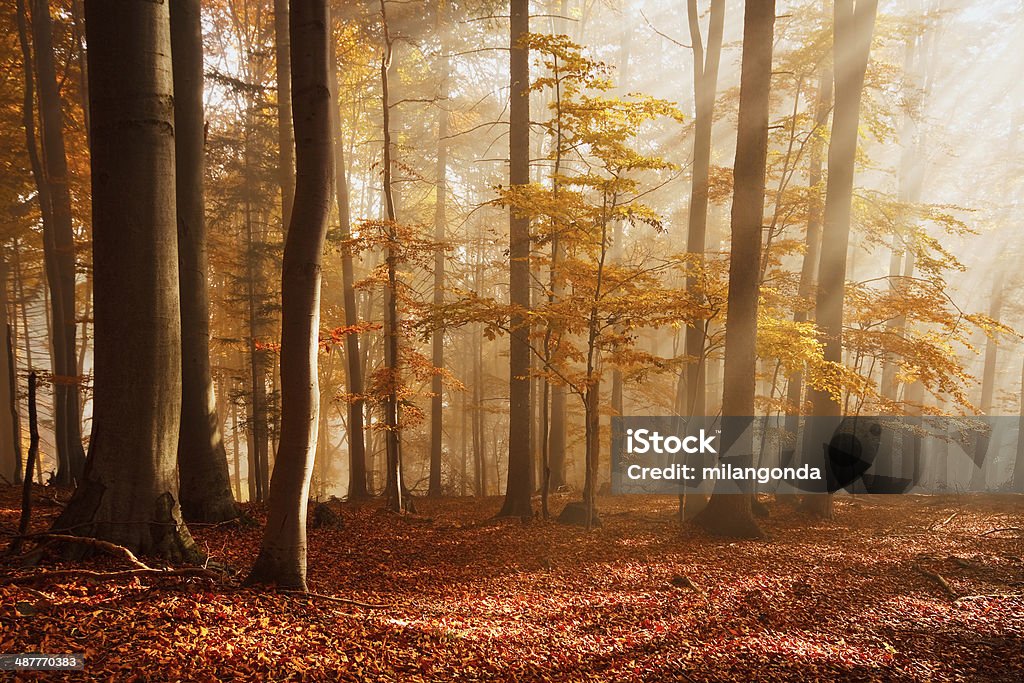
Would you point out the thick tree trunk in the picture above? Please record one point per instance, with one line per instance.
(59, 251)
(854, 27)
(356, 436)
(202, 462)
(730, 513)
(129, 490)
(282, 558)
(518, 489)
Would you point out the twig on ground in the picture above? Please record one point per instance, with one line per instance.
(331, 598)
(990, 596)
(1005, 528)
(944, 522)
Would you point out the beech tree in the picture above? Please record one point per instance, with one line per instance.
(202, 461)
(282, 557)
(854, 27)
(518, 489)
(357, 487)
(129, 491)
(58, 249)
(730, 513)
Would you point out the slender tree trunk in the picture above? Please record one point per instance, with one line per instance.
(730, 513)
(988, 383)
(693, 381)
(202, 462)
(1018, 462)
(259, 417)
(59, 251)
(282, 558)
(440, 220)
(395, 489)
(705, 86)
(518, 489)
(10, 441)
(285, 134)
(129, 491)
(812, 242)
(854, 27)
(356, 435)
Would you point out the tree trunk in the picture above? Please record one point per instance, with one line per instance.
(285, 133)
(128, 494)
(705, 85)
(205, 486)
(395, 490)
(854, 27)
(517, 491)
(10, 438)
(59, 251)
(812, 242)
(693, 381)
(282, 558)
(356, 435)
(730, 513)
(1018, 462)
(257, 374)
(988, 384)
(440, 220)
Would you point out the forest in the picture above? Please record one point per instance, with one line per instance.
(335, 333)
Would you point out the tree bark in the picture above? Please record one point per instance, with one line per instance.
(129, 490)
(205, 486)
(854, 27)
(518, 490)
(356, 436)
(705, 85)
(730, 513)
(440, 220)
(988, 383)
(395, 489)
(59, 251)
(282, 558)
(812, 242)
(285, 132)
(1018, 462)
(10, 425)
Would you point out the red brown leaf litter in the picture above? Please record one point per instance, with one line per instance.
(469, 598)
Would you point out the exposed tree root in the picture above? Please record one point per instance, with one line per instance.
(38, 577)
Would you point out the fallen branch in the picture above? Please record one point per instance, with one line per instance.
(990, 596)
(966, 564)
(331, 598)
(937, 578)
(1005, 528)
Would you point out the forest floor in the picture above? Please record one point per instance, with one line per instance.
(895, 588)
